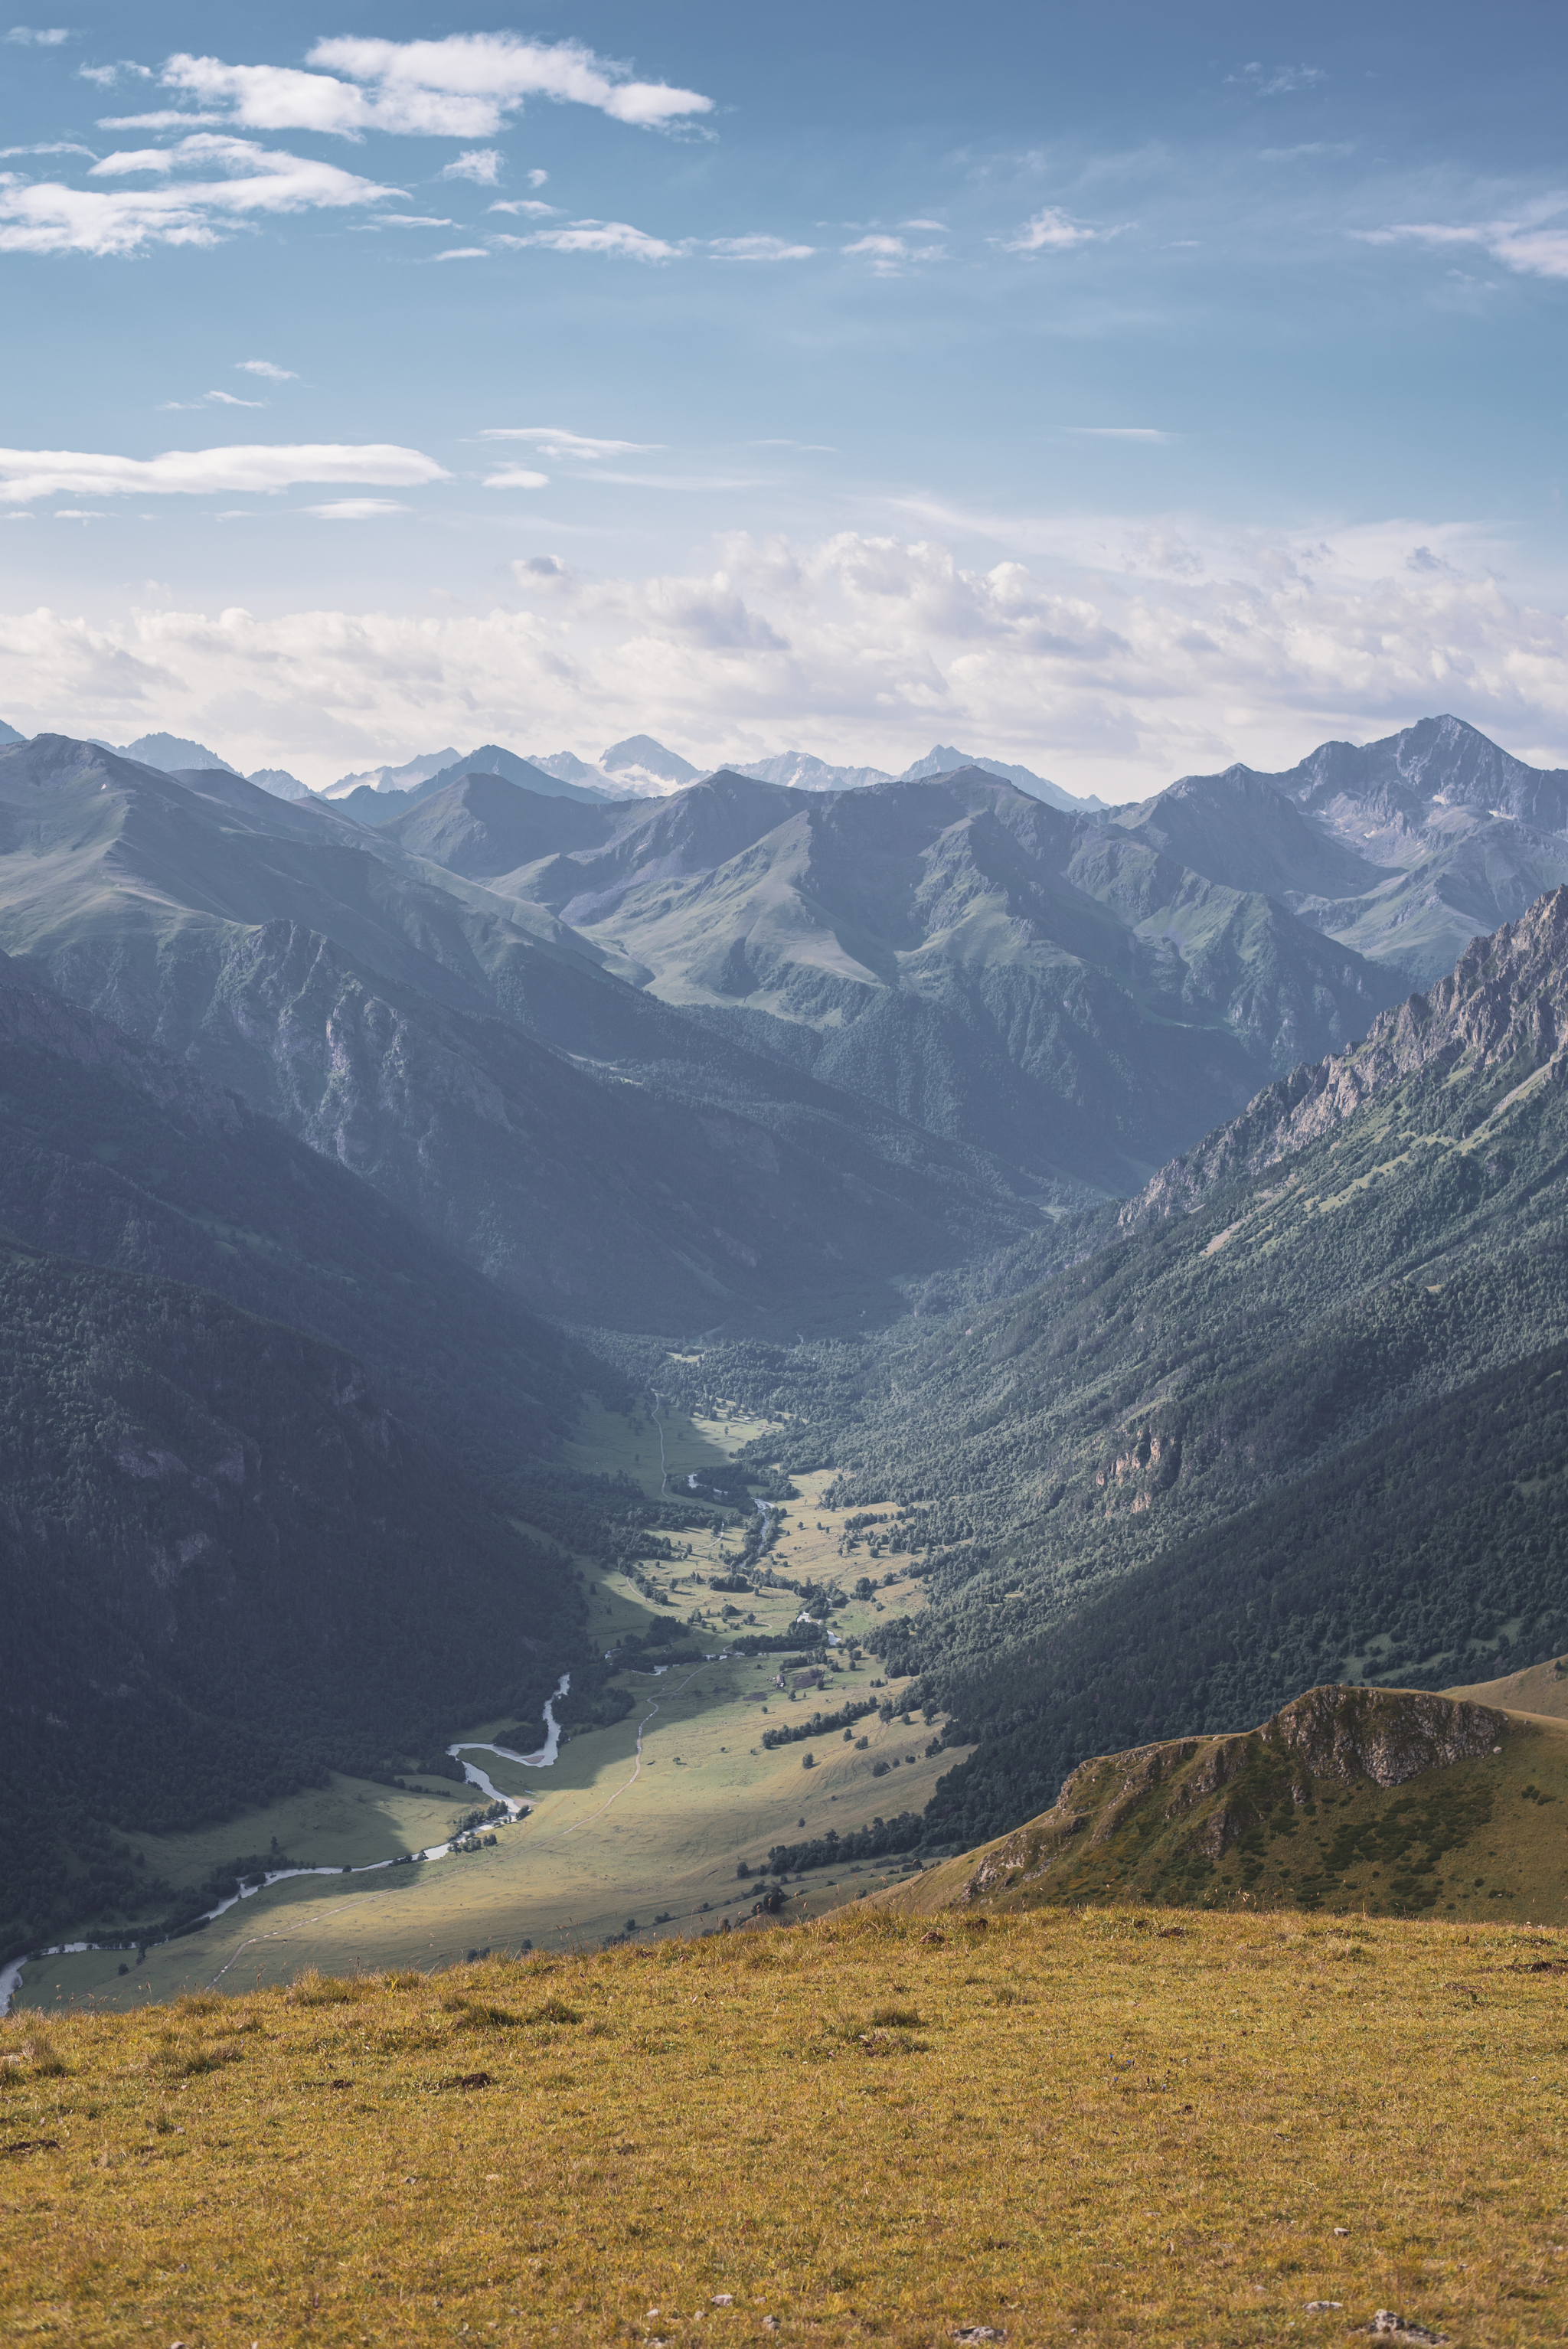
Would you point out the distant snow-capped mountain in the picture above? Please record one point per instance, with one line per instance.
(392, 779)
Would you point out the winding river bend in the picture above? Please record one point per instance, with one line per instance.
(11, 1975)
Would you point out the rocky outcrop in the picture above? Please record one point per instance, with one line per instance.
(1384, 1734)
(1506, 998)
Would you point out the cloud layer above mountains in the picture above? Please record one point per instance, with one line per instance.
(1159, 654)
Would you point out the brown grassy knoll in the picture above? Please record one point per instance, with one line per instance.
(1286, 1817)
(1075, 2126)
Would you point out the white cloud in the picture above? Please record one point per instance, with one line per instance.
(48, 217)
(516, 477)
(552, 442)
(1116, 654)
(264, 367)
(29, 473)
(463, 252)
(408, 220)
(1534, 242)
(105, 76)
(466, 86)
(527, 207)
(757, 248)
(227, 399)
(1055, 231)
(1121, 432)
(480, 164)
(616, 238)
(27, 37)
(355, 509)
(889, 255)
(53, 146)
(537, 179)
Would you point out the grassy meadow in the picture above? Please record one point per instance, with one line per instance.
(616, 1833)
(1075, 2126)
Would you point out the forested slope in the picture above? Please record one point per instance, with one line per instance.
(1309, 1430)
(228, 1567)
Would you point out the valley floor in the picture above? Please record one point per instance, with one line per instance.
(1077, 2127)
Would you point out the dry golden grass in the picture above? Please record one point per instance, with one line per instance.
(1072, 2126)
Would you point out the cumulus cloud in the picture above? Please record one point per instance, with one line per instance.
(516, 477)
(480, 164)
(616, 238)
(26, 474)
(1116, 653)
(466, 86)
(1532, 242)
(46, 216)
(527, 207)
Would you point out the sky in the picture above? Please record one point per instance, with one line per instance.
(1118, 390)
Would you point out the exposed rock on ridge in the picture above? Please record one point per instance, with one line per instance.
(1507, 996)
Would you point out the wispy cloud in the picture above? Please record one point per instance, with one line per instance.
(30, 36)
(480, 164)
(1532, 242)
(757, 248)
(48, 217)
(618, 239)
(527, 207)
(265, 368)
(464, 252)
(516, 477)
(550, 441)
(1121, 432)
(29, 473)
(53, 146)
(1277, 81)
(409, 219)
(355, 509)
(1051, 230)
(889, 256)
(210, 399)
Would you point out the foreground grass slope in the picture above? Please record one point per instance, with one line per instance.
(1076, 2125)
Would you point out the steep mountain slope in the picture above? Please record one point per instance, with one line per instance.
(1378, 1802)
(962, 955)
(227, 1567)
(481, 825)
(944, 759)
(379, 802)
(113, 1150)
(382, 1019)
(1311, 1430)
(1404, 848)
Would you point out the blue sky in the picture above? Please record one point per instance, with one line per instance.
(1118, 390)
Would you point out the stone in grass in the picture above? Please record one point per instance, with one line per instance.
(978, 2332)
(1320, 2307)
(1389, 2325)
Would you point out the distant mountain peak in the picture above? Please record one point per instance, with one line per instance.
(9, 733)
(641, 752)
(173, 754)
(944, 759)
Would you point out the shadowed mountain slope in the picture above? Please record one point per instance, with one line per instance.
(976, 961)
(113, 1150)
(228, 1567)
(422, 1036)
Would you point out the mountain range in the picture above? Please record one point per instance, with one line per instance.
(1126, 1199)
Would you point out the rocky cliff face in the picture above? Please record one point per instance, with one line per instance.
(1506, 997)
(1204, 1797)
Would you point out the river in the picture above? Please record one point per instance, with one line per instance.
(11, 1975)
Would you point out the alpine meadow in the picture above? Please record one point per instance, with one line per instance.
(783, 1463)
